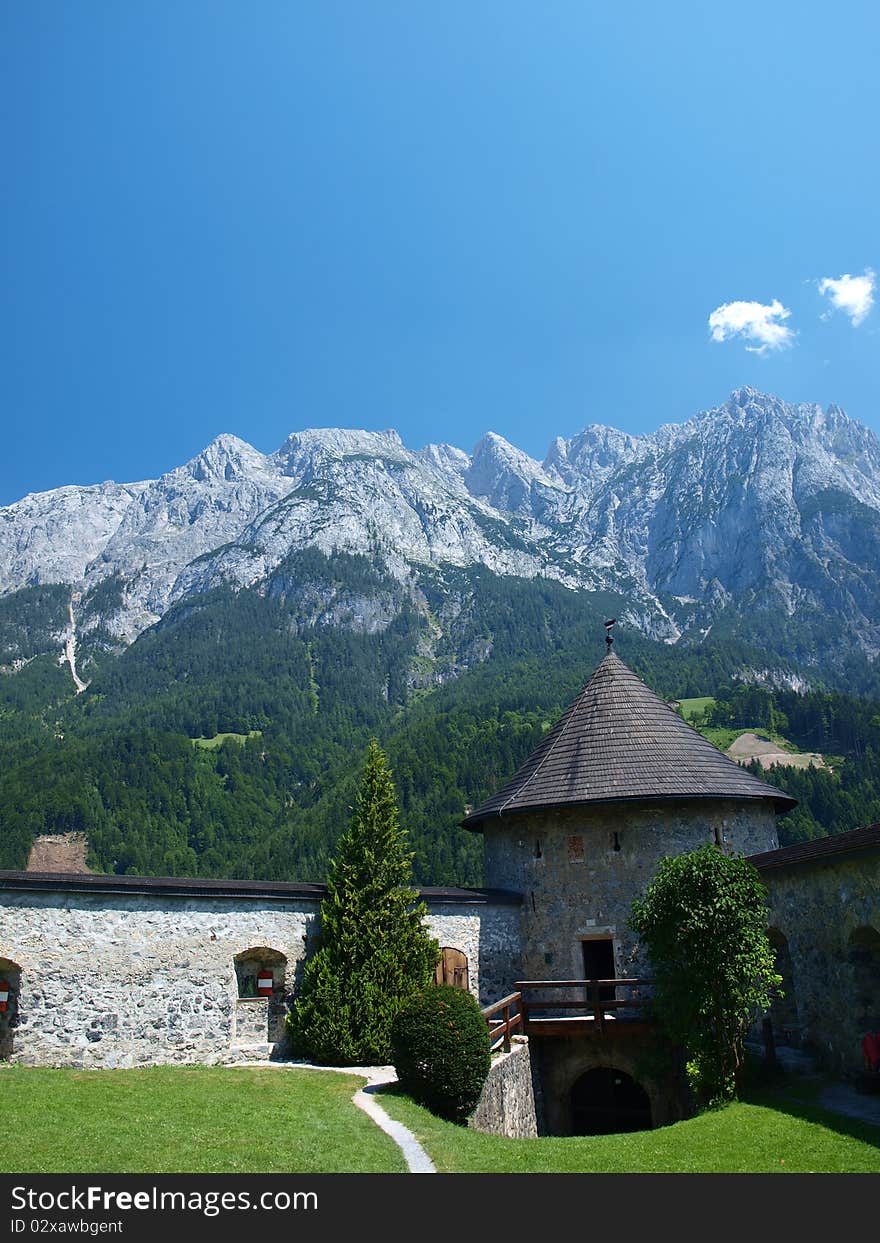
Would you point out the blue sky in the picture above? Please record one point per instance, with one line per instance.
(444, 218)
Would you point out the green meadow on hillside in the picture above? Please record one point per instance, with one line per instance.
(211, 744)
(696, 706)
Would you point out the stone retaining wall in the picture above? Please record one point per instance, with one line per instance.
(507, 1102)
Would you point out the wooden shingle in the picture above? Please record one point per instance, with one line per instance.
(618, 741)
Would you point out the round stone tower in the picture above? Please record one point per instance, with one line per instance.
(617, 784)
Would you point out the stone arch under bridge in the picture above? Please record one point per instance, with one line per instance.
(606, 1101)
(641, 1100)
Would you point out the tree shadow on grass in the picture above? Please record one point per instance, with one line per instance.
(388, 1089)
(784, 1098)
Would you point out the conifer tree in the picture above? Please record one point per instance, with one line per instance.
(373, 950)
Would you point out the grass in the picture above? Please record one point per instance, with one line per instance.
(211, 744)
(722, 737)
(762, 1136)
(175, 1119)
(693, 707)
(164, 1119)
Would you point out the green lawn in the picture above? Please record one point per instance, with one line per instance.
(743, 1138)
(164, 1119)
(218, 1120)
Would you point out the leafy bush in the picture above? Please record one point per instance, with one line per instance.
(703, 922)
(440, 1050)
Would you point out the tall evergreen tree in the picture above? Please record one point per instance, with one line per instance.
(373, 951)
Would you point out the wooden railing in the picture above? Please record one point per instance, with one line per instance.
(600, 1002)
(510, 1008)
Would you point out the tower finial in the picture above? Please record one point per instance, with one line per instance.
(609, 632)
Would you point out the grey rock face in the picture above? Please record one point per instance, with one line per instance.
(50, 537)
(756, 502)
(181, 516)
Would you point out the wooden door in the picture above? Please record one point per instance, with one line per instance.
(452, 968)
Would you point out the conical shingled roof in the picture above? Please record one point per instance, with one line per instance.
(618, 741)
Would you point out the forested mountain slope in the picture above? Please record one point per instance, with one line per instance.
(458, 687)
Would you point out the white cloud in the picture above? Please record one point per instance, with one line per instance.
(755, 322)
(854, 295)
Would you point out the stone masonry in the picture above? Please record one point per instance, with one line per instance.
(109, 979)
(580, 868)
(132, 980)
(828, 911)
(507, 1102)
(489, 937)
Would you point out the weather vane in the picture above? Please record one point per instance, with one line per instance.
(609, 631)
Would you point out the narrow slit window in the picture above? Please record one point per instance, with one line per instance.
(616, 845)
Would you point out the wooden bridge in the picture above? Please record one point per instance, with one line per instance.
(598, 1011)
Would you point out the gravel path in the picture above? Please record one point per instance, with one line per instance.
(417, 1160)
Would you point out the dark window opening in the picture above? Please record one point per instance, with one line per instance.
(617, 841)
(538, 851)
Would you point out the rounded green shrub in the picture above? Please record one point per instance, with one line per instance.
(440, 1050)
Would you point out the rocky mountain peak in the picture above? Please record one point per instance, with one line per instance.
(594, 452)
(445, 458)
(756, 500)
(301, 450)
(226, 457)
(504, 475)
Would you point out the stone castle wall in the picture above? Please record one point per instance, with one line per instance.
(579, 870)
(109, 979)
(488, 936)
(828, 911)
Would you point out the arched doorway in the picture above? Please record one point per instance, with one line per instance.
(864, 959)
(605, 1101)
(784, 1012)
(10, 985)
(452, 968)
